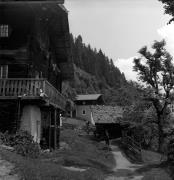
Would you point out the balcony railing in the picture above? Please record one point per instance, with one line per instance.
(31, 88)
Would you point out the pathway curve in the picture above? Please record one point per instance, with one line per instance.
(7, 171)
(124, 169)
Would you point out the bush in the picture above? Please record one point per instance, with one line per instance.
(5, 138)
(23, 143)
(28, 149)
(171, 151)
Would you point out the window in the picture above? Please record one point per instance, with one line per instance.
(83, 112)
(83, 102)
(4, 31)
(172, 108)
(4, 71)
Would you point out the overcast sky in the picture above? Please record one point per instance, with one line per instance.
(119, 27)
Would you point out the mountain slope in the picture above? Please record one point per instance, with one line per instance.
(94, 72)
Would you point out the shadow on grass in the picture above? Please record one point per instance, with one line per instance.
(148, 167)
(105, 169)
(82, 152)
(34, 169)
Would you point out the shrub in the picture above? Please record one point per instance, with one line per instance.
(171, 151)
(5, 138)
(28, 149)
(23, 143)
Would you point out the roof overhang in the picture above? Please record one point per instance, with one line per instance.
(88, 97)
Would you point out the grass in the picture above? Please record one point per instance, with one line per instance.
(35, 169)
(158, 172)
(151, 168)
(81, 152)
(133, 157)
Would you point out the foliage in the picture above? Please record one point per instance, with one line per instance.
(171, 151)
(23, 143)
(141, 117)
(96, 73)
(96, 63)
(156, 70)
(169, 8)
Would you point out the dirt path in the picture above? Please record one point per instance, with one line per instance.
(124, 169)
(7, 171)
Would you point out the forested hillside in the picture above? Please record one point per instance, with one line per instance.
(96, 63)
(96, 73)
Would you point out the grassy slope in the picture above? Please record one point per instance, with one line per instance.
(81, 152)
(150, 169)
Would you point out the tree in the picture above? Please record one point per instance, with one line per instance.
(169, 8)
(156, 70)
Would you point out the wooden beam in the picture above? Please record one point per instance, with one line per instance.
(50, 130)
(18, 114)
(55, 128)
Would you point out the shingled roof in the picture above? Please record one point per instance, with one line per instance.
(107, 114)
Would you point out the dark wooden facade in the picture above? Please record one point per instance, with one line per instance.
(34, 56)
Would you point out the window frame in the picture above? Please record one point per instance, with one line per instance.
(4, 30)
(83, 112)
(3, 71)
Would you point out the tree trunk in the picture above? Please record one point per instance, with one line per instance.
(161, 133)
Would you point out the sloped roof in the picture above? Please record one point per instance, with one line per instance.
(85, 97)
(107, 114)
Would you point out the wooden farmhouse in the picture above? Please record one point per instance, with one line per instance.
(34, 60)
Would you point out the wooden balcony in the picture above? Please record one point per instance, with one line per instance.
(31, 89)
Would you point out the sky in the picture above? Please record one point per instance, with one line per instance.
(120, 27)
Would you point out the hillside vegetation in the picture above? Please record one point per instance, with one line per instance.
(94, 72)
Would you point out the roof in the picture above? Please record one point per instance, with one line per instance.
(107, 114)
(87, 97)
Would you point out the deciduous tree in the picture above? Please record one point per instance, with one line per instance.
(155, 69)
(169, 8)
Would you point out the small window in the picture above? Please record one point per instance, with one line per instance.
(172, 108)
(83, 102)
(83, 112)
(4, 31)
(4, 71)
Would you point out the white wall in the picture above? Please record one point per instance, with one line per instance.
(31, 121)
(79, 112)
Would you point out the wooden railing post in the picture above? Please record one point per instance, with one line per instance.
(4, 87)
(44, 87)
